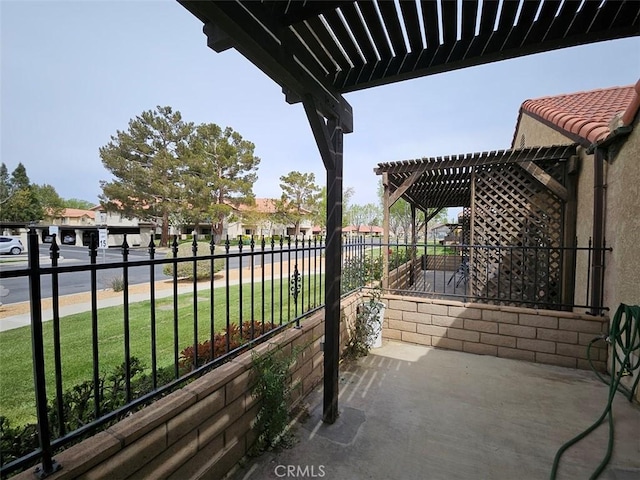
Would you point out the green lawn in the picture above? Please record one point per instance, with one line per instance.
(430, 249)
(17, 401)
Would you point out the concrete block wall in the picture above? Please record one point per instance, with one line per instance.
(203, 429)
(542, 336)
(400, 277)
(449, 263)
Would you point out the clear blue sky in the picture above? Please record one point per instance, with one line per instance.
(75, 72)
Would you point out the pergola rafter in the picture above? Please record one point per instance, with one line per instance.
(440, 182)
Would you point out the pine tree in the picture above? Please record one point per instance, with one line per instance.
(221, 171)
(20, 202)
(147, 162)
(300, 198)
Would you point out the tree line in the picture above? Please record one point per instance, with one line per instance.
(23, 202)
(173, 172)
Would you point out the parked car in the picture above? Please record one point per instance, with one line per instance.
(11, 245)
(69, 239)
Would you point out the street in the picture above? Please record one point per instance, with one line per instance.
(14, 290)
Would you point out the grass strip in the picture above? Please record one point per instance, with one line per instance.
(17, 395)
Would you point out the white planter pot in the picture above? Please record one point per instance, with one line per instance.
(375, 316)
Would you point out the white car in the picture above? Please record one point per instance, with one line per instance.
(11, 245)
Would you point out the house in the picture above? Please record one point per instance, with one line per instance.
(603, 124)
(75, 227)
(72, 217)
(259, 219)
(352, 230)
(71, 223)
(444, 234)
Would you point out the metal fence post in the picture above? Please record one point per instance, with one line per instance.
(49, 465)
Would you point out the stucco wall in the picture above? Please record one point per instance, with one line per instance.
(622, 227)
(622, 212)
(537, 134)
(622, 224)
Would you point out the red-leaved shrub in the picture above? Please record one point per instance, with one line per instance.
(220, 346)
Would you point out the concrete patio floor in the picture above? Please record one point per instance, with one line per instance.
(411, 412)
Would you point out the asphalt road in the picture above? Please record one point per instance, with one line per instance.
(14, 290)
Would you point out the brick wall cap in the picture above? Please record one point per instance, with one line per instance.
(450, 303)
(135, 426)
(483, 306)
(573, 315)
(311, 322)
(214, 380)
(75, 459)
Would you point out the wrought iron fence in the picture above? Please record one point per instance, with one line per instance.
(261, 288)
(536, 276)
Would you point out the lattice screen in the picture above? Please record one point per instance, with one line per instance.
(466, 225)
(522, 222)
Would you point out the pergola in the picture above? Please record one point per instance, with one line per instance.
(318, 51)
(503, 193)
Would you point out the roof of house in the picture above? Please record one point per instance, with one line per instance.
(76, 213)
(260, 205)
(590, 116)
(362, 229)
(265, 205)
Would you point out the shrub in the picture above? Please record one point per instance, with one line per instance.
(220, 343)
(367, 324)
(360, 271)
(78, 408)
(16, 441)
(273, 388)
(78, 401)
(203, 267)
(117, 284)
(398, 257)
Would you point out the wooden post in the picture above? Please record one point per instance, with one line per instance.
(414, 241)
(385, 233)
(333, 274)
(471, 266)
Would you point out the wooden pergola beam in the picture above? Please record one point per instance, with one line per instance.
(477, 159)
(545, 179)
(274, 50)
(406, 184)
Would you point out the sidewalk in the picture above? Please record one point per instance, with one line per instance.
(18, 315)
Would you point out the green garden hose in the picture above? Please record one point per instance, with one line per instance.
(624, 338)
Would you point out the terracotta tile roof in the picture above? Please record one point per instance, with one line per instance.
(77, 213)
(588, 115)
(362, 229)
(265, 205)
(261, 205)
